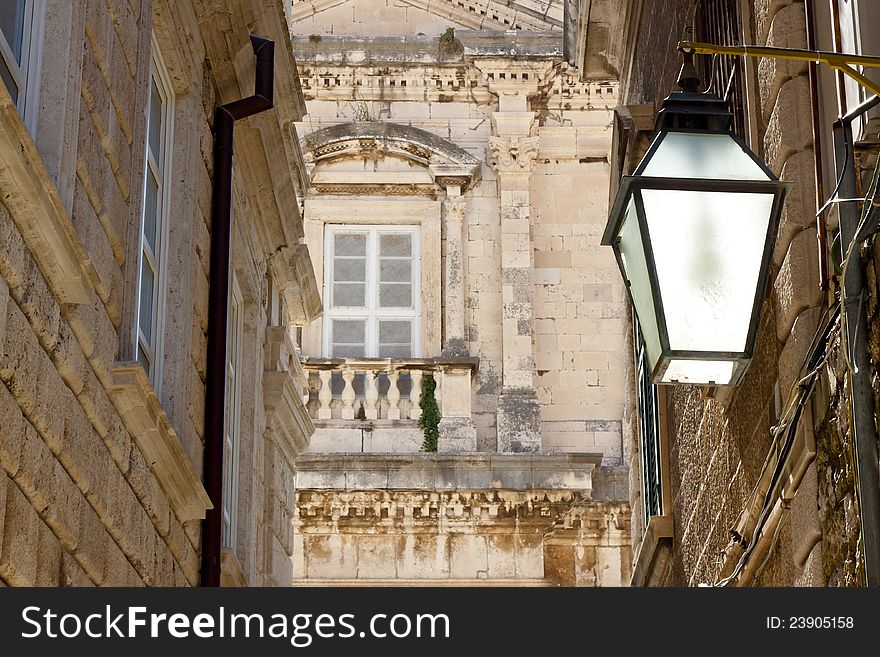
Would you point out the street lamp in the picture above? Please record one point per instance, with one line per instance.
(693, 231)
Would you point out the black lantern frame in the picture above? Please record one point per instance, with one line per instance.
(702, 110)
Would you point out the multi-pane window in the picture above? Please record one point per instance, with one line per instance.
(371, 292)
(21, 26)
(151, 287)
(649, 432)
(232, 430)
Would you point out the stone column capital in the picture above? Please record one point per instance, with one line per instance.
(513, 154)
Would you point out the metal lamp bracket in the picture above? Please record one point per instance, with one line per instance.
(839, 61)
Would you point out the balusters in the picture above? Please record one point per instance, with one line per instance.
(348, 395)
(325, 395)
(415, 408)
(304, 381)
(393, 394)
(371, 395)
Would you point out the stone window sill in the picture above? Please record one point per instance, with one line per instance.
(149, 426)
(30, 195)
(657, 534)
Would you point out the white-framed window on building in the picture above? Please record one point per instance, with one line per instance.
(154, 221)
(21, 48)
(372, 296)
(232, 430)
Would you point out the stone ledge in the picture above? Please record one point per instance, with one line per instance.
(30, 195)
(231, 573)
(149, 426)
(654, 552)
(345, 471)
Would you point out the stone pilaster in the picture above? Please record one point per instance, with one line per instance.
(513, 157)
(454, 206)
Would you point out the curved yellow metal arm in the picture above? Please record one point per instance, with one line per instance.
(840, 61)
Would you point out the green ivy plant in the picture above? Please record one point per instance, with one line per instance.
(430, 420)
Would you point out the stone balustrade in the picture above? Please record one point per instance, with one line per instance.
(383, 394)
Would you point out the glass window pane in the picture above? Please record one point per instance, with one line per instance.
(395, 270)
(6, 76)
(395, 295)
(12, 25)
(349, 295)
(395, 351)
(350, 244)
(143, 359)
(348, 351)
(148, 283)
(718, 372)
(349, 331)
(350, 269)
(151, 210)
(395, 244)
(395, 332)
(155, 129)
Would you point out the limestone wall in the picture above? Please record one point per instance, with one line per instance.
(101, 470)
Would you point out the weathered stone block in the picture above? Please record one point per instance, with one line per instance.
(21, 526)
(798, 211)
(796, 287)
(790, 128)
(457, 434)
(787, 30)
(791, 358)
(519, 422)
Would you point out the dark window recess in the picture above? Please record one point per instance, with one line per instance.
(649, 432)
(717, 21)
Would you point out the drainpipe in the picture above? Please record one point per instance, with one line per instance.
(225, 117)
(854, 313)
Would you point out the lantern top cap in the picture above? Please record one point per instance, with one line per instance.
(689, 109)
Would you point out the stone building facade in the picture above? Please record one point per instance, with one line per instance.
(718, 495)
(458, 166)
(106, 176)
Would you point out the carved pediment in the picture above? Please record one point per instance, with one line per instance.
(372, 141)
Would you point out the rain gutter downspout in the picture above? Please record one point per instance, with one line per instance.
(225, 117)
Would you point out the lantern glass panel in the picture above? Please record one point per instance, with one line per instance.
(719, 372)
(635, 266)
(707, 249)
(702, 155)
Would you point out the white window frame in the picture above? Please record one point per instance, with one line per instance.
(232, 423)
(157, 259)
(372, 312)
(26, 75)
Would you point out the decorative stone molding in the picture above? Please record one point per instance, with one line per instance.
(292, 269)
(373, 140)
(149, 426)
(284, 388)
(449, 472)
(31, 197)
(513, 154)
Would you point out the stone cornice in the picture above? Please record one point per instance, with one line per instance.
(510, 472)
